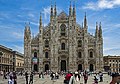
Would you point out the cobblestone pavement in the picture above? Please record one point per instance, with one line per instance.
(46, 80)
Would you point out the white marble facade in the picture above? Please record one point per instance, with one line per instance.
(63, 44)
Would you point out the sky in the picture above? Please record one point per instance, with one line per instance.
(15, 13)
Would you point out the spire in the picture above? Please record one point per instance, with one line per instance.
(82, 24)
(85, 21)
(96, 32)
(55, 11)
(51, 15)
(40, 27)
(40, 19)
(74, 10)
(27, 32)
(70, 9)
(100, 30)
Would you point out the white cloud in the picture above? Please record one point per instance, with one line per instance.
(34, 23)
(46, 12)
(102, 4)
(18, 48)
(18, 35)
(31, 15)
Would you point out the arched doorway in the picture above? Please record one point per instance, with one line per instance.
(80, 67)
(46, 67)
(63, 65)
(36, 67)
(91, 67)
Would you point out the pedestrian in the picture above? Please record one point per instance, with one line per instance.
(75, 79)
(95, 80)
(52, 76)
(101, 76)
(4, 75)
(26, 77)
(85, 75)
(14, 77)
(31, 78)
(115, 78)
(10, 81)
(67, 78)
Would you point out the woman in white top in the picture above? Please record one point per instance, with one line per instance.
(75, 79)
(10, 81)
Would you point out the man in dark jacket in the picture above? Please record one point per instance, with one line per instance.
(31, 78)
(26, 77)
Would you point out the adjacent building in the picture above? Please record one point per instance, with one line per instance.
(10, 60)
(112, 63)
(18, 61)
(6, 61)
(63, 44)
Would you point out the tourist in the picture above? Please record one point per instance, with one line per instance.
(56, 75)
(14, 77)
(101, 76)
(75, 79)
(31, 78)
(10, 81)
(67, 78)
(52, 76)
(26, 77)
(85, 75)
(95, 80)
(4, 75)
(115, 78)
(41, 75)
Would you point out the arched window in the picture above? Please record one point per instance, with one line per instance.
(63, 46)
(79, 43)
(46, 43)
(79, 54)
(63, 27)
(35, 54)
(46, 54)
(91, 54)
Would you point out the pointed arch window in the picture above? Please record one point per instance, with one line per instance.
(63, 27)
(46, 54)
(63, 46)
(79, 43)
(35, 54)
(46, 43)
(80, 54)
(91, 54)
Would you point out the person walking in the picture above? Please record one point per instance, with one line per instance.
(85, 75)
(67, 78)
(95, 80)
(101, 76)
(115, 78)
(14, 77)
(10, 81)
(26, 77)
(75, 79)
(31, 78)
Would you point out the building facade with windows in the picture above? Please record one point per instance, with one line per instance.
(18, 61)
(63, 44)
(112, 63)
(6, 61)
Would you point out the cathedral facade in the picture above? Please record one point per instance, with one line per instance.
(63, 45)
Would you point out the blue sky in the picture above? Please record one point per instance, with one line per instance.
(14, 14)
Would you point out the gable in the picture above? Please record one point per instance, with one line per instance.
(62, 16)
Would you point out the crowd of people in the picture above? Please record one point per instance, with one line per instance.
(69, 77)
(74, 78)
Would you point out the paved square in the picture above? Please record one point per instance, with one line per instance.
(47, 80)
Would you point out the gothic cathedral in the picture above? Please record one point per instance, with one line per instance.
(63, 45)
